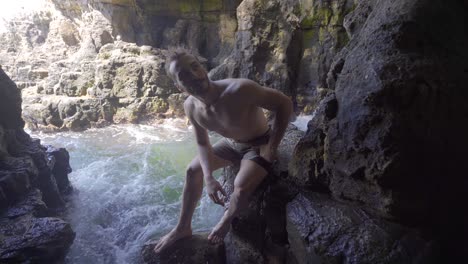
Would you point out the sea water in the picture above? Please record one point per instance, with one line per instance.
(128, 181)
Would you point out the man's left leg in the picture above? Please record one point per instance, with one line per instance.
(249, 177)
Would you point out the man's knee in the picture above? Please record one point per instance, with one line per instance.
(240, 192)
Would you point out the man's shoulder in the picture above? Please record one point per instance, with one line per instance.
(188, 100)
(239, 85)
(189, 104)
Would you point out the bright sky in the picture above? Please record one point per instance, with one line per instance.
(11, 8)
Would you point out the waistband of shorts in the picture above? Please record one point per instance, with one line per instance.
(258, 141)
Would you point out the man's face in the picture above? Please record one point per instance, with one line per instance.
(189, 75)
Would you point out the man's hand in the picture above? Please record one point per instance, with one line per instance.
(212, 188)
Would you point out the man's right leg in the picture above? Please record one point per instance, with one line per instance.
(192, 192)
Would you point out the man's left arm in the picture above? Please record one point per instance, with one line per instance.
(281, 106)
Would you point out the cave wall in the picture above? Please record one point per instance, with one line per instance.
(389, 133)
(288, 45)
(207, 27)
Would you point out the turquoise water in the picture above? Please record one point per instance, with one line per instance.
(128, 181)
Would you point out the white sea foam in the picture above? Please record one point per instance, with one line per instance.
(129, 180)
(302, 121)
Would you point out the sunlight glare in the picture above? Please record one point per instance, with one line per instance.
(10, 9)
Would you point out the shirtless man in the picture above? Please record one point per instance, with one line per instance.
(232, 108)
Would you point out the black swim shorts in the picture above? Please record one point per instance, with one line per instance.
(234, 151)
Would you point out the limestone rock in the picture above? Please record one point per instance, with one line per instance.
(28, 190)
(396, 86)
(32, 204)
(44, 239)
(190, 250)
(83, 49)
(11, 103)
(16, 178)
(29, 234)
(125, 83)
(72, 84)
(287, 45)
(61, 168)
(325, 231)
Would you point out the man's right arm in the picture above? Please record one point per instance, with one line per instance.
(205, 153)
(203, 142)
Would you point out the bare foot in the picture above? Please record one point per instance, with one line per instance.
(170, 238)
(219, 231)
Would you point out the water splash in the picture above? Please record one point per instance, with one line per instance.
(302, 121)
(129, 180)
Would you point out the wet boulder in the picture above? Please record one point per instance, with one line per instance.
(189, 250)
(45, 239)
(29, 196)
(29, 234)
(322, 230)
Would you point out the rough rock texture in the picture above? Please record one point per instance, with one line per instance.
(65, 49)
(190, 250)
(124, 83)
(205, 26)
(32, 180)
(322, 230)
(287, 45)
(30, 235)
(91, 63)
(390, 133)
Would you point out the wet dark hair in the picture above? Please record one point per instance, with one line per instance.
(175, 53)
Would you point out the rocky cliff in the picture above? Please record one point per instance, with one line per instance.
(389, 133)
(84, 64)
(33, 179)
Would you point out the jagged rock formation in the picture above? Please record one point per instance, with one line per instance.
(125, 83)
(328, 231)
(31, 234)
(287, 45)
(190, 250)
(79, 67)
(32, 181)
(389, 133)
(66, 49)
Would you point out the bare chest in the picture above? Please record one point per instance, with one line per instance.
(225, 119)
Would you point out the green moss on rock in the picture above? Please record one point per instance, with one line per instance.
(211, 5)
(157, 105)
(318, 17)
(309, 37)
(342, 39)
